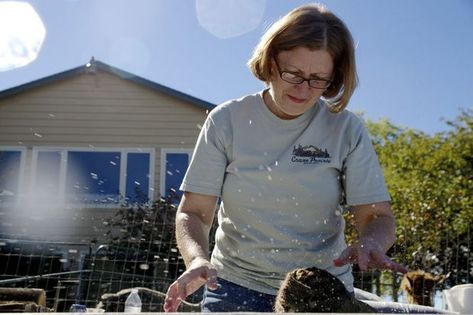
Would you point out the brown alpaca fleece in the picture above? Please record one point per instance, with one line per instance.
(312, 290)
(419, 287)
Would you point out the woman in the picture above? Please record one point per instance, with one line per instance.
(283, 161)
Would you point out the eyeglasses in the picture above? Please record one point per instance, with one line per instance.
(293, 78)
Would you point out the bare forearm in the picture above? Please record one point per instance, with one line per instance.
(192, 236)
(375, 222)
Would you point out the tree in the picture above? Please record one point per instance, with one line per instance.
(430, 180)
(139, 245)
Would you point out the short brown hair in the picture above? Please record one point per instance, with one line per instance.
(314, 27)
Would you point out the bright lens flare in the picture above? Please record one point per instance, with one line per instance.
(229, 18)
(21, 34)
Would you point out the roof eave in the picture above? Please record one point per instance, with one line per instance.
(110, 69)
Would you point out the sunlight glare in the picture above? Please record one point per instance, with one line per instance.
(230, 18)
(21, 34)
(130, 52)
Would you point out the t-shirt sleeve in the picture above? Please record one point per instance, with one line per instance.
(362, 175)
(207, 168)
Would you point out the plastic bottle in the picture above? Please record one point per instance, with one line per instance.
(133, 302)
(78, 308)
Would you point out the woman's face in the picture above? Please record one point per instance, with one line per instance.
(288, 100)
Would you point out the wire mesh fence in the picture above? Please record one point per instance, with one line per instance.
(84, 276)
(135, 247)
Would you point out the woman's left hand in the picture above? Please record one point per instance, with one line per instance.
(368, 254)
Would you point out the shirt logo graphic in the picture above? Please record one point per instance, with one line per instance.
(310, 154)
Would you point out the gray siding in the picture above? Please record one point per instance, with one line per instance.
(96, 110)
(99, 110)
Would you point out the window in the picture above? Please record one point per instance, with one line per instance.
(174, 164)
(11, 173)
(47, 179)
(93, 177)
(138, 179)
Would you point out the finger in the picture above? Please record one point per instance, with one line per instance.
(363, 260)
(170, 305)
(212, 279)
(397, 267)
(344, 258)
(182, 288)
(386, 263)
(171, 302)
(379, 260)
(340, 261)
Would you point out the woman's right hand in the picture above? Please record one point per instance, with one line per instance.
(199, 272)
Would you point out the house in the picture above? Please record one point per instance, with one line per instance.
(75, 145)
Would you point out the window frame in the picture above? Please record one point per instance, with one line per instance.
(63, 169)
(162, 172)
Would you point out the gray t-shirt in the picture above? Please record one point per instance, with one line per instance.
(281, 184)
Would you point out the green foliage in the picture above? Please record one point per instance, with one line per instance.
(430, 179)
(141, 237)
(142, 226)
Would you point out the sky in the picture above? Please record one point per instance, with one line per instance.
(414, 58)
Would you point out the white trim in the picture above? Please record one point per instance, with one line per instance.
(62, 174)
(162, 173)
(21, 175)
(151, 188)
(123, 174)
(123, 167)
